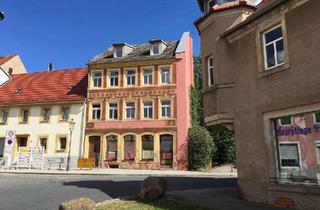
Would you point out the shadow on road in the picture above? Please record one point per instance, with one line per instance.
(116, 189)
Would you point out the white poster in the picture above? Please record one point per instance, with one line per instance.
(8, 146)
(4, 77)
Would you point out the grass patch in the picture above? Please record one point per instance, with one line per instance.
(136, 204)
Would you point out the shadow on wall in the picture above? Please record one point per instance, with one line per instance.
(116, 189)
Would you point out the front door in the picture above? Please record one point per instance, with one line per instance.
(166, 150)
(94, 149)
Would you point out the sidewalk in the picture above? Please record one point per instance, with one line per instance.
(219, 199)
(120, 172)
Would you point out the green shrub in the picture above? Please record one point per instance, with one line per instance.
(200, 148)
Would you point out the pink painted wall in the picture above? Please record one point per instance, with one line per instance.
(184, 71)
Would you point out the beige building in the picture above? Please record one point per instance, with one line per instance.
(261, 70)
(12, 64)
(38, 109)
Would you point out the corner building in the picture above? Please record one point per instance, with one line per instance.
(261, 79)
(138, 105)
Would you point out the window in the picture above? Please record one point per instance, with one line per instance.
(148, 109)
(318, 152)
(65, 111)
(2, 142)
(165, 75)
(289, 155)
(129, 147)
(43, 143)
(24, 115)
(3, 116)
(131, 77)
(316, 117)
(285, 121)
(62, 144)
(147, 147)
(166, 108)
(113, 111)
(112, 148)
(274, 48)
(166, 149)
(97, 78)
(118, 52)
(96, 111)
(297, 148)
(147, 76)
(155, 49)
(130, 110)
(45, 114)
(114, 78)
(210, 72)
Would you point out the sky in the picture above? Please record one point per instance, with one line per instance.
(68, 33)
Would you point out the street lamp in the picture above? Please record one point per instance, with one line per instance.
(71, 128)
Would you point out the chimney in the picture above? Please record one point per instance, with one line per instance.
(50, 67)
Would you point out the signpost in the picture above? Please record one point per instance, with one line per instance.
(30, 157)
(8, 146)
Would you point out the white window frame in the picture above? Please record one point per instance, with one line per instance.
(167, 75)
(113, 111)
(148, 76)
(274, 47)
(209, 68)
(291, 121)
(129, 78)
(299, 153)
(2, 116)
(314, 118)
(148, 107)
(152, 49)
(95, 109)
(93, 78)
(116, 50)
(111, 78)
(166, 106)
(317, 143)
(134, 109)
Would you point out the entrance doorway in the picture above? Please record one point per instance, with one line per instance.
(22, 141)
(166, 150)
(2, 142)
(94, 149)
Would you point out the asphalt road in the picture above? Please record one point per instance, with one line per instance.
(40, 192)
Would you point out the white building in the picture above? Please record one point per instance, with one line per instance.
(39, 107)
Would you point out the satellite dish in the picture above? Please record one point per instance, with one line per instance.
(4, 77)
(1, 15)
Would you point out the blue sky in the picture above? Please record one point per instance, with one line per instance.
(70, 32)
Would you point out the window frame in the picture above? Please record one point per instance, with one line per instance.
(159, 49)
(125, 110)
(317, 144)
(143, 109)
(107, 147)
(4, 110)
(58, 144)
(315, 119)
(264, 45)
(124, 147)
(209, 73)
(153, 146)
(62, 113)
(112, 77)
(93, 78)
(47, 140)
(126, 70)
(92, 109)
(21, 117)
(42, 114)
(283, 125)
(170, 74)
(109, 110)
(299, 154)
(160, 108)
(147, 68)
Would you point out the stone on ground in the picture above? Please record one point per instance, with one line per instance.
(78, 204)
(153, 188)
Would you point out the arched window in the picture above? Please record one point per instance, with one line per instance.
(147, 147)
(129, 147)
(112, 147)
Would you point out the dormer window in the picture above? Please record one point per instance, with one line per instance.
(157, 47)
(210, 3)
(118, 51)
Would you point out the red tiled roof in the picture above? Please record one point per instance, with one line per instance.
(263, 4)
(45, 87)
(4, 59)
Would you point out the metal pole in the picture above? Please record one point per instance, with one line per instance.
(69, 152)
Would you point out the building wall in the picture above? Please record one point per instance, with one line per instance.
(15, 64)
(293, 86)
(35, 129)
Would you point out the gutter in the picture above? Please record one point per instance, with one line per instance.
(254, 17)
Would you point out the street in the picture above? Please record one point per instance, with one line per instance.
(48, 191)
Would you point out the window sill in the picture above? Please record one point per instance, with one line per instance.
(44, 122)
(277, 69)
(61, 151)
(217, 86)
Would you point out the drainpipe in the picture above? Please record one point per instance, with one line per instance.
(83, 126)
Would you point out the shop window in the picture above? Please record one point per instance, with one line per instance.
(297, 148)
(112, 148)
(129, 147)
(274, 48)
(147, 147)
(166, 149)
(3, 116)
